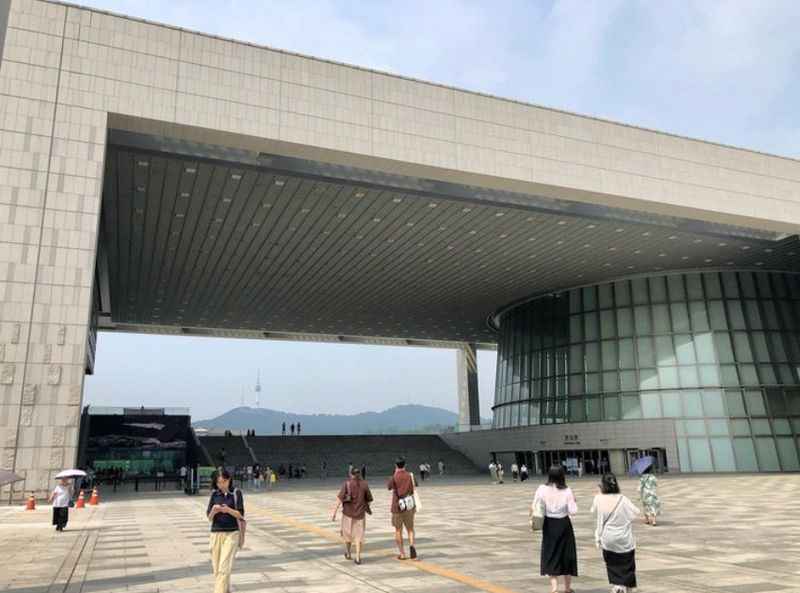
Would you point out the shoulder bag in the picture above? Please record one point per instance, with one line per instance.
(538, 511)
(406, 503)
(242, 524)
(607, 519)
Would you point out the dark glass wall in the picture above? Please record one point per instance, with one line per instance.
(717, 351)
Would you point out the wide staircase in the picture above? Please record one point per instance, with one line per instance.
(378, 453)
(235, 449)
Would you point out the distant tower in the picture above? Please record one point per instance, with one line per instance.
(258, 389)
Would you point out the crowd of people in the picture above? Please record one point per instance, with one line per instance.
(553, 505)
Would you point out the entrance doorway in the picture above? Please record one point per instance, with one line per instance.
(660, 455)
(576, 462)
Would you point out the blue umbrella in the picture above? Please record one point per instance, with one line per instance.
(639, 466)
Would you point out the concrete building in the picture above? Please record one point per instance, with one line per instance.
(159, 180)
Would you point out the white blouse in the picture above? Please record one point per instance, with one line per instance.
(613, 530)
(557, 503)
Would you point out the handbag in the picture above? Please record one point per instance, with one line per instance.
(537, 514)
(241, 523)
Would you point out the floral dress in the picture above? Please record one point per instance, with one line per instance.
(649, 496)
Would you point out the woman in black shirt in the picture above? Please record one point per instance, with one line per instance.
(226, 513)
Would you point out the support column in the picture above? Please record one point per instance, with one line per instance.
(469, 413)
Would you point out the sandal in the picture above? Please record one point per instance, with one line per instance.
(401, 557)
(347, 556)
(358, 561)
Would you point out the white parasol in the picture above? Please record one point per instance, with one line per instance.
(71, 473)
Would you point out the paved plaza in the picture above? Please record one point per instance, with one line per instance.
(718, 534)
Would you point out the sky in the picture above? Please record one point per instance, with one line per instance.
(720, 71)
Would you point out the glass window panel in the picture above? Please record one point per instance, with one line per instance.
(592, 356)
(593, 383)
(590, 326)
(704, 345)
(627, 380)
(748, 286)
(788, 316)
(631, 407)
(740, 427)
(777, 407)
(607, 327)
(713, 403)
(606, 296)
(787, 374)
(734, 403)
(575, 328)
(688, 376)
(683, 455)
(665, 351)
(747, 374)
(695, 428)
(668, 377)
(778, 351)
(658, 290)
(594, 409)
(680, 428)
(561, 361)
(575, 301)
(745, 455)
(770, 315)
(718, 427)
(625, 322)
(793, 402)
(684, 349)
(576, 386)
(730, 284)
(730, 378)
(644, 347)
(589, 298)
(713, 288)
(764, 287)
(709, 376)
(648, 379)
(760, 346)
(561, 386)
(694, 286)
(610, 358)
(680, 317)
(610, 381)
(692, 404)
(576, 358)
(661, 323)
(651, 405)
(781, 426)
(760, 426)
(716, 314)
(787, 452)
(698, 315)
(671, 404)
(611, 407)
(626, 357)
(724, 349)
(675, 287)
(622, 293)
(753, 314)
(639, 288)
(533, 410)
(767, 454)
(514, 415)
(700, 454)
(741, 344)
(779, 286)
(577, 410)
(642, 317)
(735, 315)
(724, 460)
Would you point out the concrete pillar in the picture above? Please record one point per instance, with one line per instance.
(469, 415)
(616, 459)
(50, 191)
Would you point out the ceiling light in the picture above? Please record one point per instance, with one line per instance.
(397, 200)
(708, 260)
(226, 200)
(612, 248)
(503, 236)
(745, 247)
(586, 245)
(184, 194)
(644, 234)
(266, 205)
(672, 237)
(562, 222)
(190, 170)
(236, 176)
(376, 220)
(359, 194)
(722, 244)
(620, 231)
(685, 257)
(759, 263)
(140, 188)
(305, 211)
(637, 251)
(697, 241)
(768, 250)
(280, 182)
(465, 210)
(499, 214)
(590, 226)
(662, 255)
(180, 215)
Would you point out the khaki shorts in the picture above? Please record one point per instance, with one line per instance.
(404, 519)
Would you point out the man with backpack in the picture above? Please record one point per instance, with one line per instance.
(403, 507)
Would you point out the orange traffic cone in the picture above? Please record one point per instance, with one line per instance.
(31, 504)
(81, 503)
(95, 499)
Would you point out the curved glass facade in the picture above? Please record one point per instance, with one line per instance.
(717, 351)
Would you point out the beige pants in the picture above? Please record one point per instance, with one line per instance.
(223, 549)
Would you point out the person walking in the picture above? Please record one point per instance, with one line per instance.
(559, 556)
(354, 498)
(226, 514)
(514, 471)
(403, 507)
(648, 493)
(60, 498)
(422, 468)
(493, 471)
(500, 472)
(291, 429)
(298, 429)
(283, 429)
(441, 468)
(323, 470)
(614, 535)
(523, 472)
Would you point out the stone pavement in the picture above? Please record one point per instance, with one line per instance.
(718, 534)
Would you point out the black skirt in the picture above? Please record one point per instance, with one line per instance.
(559, 555)
(621, 568)
(60, 516)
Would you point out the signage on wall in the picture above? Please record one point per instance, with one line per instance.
(572, 439)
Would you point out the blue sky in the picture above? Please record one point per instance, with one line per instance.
(721, 71)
